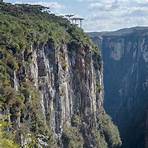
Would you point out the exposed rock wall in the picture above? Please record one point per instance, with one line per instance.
(125, 81)
(69, 86)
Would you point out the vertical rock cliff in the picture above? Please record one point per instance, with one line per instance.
(51, 86)
(125, 57)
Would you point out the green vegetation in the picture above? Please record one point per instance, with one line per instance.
(7, 93)
(24, 25)
(76, 121)
(72, 138)
(78, 36)
(109, 130)
(98, 87)
(100, 139)
(6, 140)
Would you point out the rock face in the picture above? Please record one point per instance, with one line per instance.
(125, 57)
(67, 84)
(51, 86)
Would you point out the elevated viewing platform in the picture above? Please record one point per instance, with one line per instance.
(75, 20)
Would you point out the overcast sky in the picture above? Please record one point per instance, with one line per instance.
(100, 15)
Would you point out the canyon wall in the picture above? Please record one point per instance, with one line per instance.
(125, 58)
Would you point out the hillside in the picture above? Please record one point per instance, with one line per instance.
(51, 83)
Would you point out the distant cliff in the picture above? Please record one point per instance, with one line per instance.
(51, 83)
(125, 57)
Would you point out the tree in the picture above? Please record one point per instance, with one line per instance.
(5, 142)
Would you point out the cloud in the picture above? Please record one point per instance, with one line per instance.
(54, 5)
(86, 0)
(100, 15)
(104, 6)
(115, 14)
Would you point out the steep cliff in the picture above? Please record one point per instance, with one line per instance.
(125, 57)
(51, 83)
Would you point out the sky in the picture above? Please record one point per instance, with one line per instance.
(99, 15)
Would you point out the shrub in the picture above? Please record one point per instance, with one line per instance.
(100, 139)
(110, 131)
(72, 138)
(5, 138)
(76, 121)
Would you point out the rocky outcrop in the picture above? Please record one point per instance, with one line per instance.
(125, 81)
(67, 85)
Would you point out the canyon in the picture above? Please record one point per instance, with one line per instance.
(125, 57)
(63, 88)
